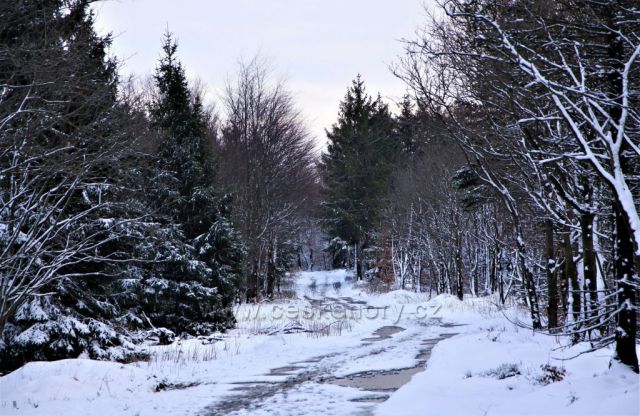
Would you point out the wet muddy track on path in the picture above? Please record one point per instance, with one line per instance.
(376, 385)
(380, 384)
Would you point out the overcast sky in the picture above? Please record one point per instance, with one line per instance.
(318, 46)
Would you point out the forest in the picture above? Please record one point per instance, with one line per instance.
(137, 211)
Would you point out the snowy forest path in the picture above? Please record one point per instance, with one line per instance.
(350, 380)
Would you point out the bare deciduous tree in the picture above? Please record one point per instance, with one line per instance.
(267, 162)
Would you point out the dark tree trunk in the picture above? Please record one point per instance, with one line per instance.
(589, 267)
(571, 273)
(564, 279)
(500, 272)
(458, 266)
(625, 247)
(357, 261)
(435, 278)
(255, 289)
(552, 283)
(624, 270)
(271, 279)
(493, 282)
(529, 284)
(271, 271)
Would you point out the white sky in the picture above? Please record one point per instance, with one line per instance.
(318, 46)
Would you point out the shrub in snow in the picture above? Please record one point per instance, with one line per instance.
(98, 317)
(44, 329)
(160, 336)
(503, 371)
(550, 374)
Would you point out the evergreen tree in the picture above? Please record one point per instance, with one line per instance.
(59, 188)
(407, 127)
(194, 281)
(356, 168)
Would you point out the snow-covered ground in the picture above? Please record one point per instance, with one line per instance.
(497, 368)
(299, 357)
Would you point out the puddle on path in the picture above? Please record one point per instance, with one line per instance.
(387, 380)
(284, 371)
(384, 333)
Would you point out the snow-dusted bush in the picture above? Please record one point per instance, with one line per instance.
(160, 336)
(503, 371)
(44, 329)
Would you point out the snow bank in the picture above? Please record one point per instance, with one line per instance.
(54, 387)
(497, 368)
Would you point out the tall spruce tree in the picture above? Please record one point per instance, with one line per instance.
(407, 127)
(356, 168)
(60, 142)
(197, 280)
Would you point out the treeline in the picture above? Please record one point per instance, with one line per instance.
(130, 213)
(133, 213)
(512, 168)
